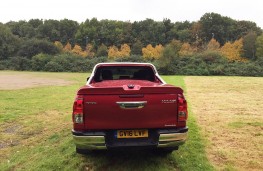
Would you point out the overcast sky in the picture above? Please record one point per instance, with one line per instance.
(130, 10)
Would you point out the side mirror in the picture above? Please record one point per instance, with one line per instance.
(88, 78)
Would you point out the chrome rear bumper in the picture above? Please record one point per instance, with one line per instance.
(90, 142)
(96, 140)
(172, 139)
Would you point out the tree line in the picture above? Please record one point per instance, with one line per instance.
(147, 40)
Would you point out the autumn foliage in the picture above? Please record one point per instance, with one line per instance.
(114, 52)
(67, 47)
(125, 50)
(150, 52)
(233, 51)
(187, 50)
(59, 45)
(213, 45)
(77, 49)
(89, 51)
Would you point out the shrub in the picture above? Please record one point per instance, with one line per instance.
(206, 63)
(72, 63)
(4, 64)
(90, 63)
(33, 47)
(39, 61)
(102, 50)
(211, 57)
(53, 67)
(217, 69)
(132, 58)
(19, 63)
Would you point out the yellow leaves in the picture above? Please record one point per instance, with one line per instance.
(186, 50)
(158, 51)
(125, 50)
(59, 45)
(150, 52)
(233, 51)
(114, 52)
(89, 51)
(78, 50)
(213, 45)
(67, 47)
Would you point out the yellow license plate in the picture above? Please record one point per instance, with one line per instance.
(132, 133)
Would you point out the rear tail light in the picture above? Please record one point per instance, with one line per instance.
(78, 110)
(182, 108)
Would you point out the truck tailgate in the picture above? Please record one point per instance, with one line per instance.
(118, 111)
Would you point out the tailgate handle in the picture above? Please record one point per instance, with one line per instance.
(132, 105)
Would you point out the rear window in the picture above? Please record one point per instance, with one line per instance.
(124, 72)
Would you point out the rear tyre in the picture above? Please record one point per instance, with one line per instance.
(82, 151)
(168, 150)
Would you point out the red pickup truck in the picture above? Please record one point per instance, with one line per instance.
(128, 105)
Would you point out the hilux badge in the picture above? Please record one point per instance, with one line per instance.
(91, 103)
(169, 101)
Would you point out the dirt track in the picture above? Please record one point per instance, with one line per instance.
(21, 81)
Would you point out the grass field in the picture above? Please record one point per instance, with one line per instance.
(229, 111)
(36, 127)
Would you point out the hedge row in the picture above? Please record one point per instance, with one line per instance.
(201, 64)
(211, 64)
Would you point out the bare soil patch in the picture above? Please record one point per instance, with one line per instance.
(229, 111)
(23, 80)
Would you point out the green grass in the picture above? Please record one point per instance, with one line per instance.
(17, 103)
(190, 156)
(40, 120)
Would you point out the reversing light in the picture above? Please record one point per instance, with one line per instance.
(78, 118)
